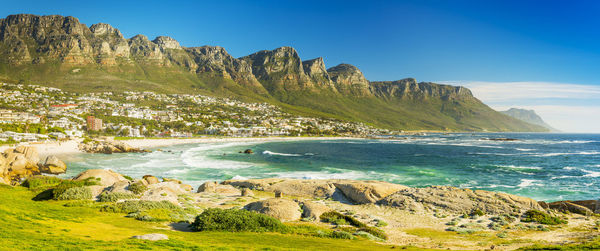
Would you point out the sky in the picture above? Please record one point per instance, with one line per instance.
(541, 55)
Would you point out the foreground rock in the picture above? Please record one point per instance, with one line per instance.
(109, 147)
(21, 162)
(359, 192)
(282, 209)
(106, 177)
(151, 237)
(450, 199)
(53, 165)
(456, 200)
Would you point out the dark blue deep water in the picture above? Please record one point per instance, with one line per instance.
(540, 166)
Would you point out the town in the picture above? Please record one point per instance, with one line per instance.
(38, 113)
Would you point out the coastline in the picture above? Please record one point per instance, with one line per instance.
(153, 143)
(70, 147)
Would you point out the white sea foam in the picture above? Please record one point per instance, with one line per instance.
(569, 168)
(281, 154)
(318, 175)
(521, 167)
(524, 149)
(562, 154)
(527, 183)
(239, 177)
(592, 174)
(197, 157)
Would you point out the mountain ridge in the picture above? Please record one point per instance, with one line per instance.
(529, 116)
(63, 52)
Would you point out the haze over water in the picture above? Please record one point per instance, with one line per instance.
(541, 166)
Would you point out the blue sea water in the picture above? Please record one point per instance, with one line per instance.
(541, 166)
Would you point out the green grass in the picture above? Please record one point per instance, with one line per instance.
(48, 225)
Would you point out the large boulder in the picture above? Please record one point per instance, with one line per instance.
(457, 200)
(313, 209)
(292, 187)
(151, 179)
(107, 177)
(30, 153)
(282, 209)
(363, 192)
(343, 190)
(53, 165)
(570, 207)
(208, 187)
(160, 193)
(121, 186)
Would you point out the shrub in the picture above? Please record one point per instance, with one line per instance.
(67, 184)
(341, 235)
(41, 181)
(76, 193)
(477, 212)
(381, 223)
(114, 197)
(132, 206)
(128, 177)
(152, 210)
(542, 218)
(340, 219)
(375, 232)
(235, 220)
(138, 188)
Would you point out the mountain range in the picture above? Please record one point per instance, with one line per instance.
(528, 116)
(62, 52)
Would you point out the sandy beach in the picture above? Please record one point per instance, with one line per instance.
(71, 146)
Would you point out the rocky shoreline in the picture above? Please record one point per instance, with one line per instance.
(388, 210)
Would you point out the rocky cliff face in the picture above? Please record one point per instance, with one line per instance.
(280, 69)
(349, 80)
(409, 89)
(215, 59)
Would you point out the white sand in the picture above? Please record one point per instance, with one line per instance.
(51, 148)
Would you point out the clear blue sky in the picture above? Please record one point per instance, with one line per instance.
(486, 41)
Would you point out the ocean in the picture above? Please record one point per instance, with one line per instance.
(546, 167)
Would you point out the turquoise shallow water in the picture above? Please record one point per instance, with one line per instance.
(541, 166)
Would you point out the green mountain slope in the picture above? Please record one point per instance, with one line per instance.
(61, 52)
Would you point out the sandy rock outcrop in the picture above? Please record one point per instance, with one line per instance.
(18, 163)
(457, 200)
(363, 192)
(570, 207)
(151, 179)
(359, 192)
(314, 209)
(53, 165)
(107, 177)
(214, 187)
(282, 209)
(108, 147)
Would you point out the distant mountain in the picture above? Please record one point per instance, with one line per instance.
(528, 116)
(62, 52)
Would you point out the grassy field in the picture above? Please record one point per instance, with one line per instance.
(49, 225)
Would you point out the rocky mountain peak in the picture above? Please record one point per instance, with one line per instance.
(409, 88)
(101, 29)
(165, 42)
(349, 80)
